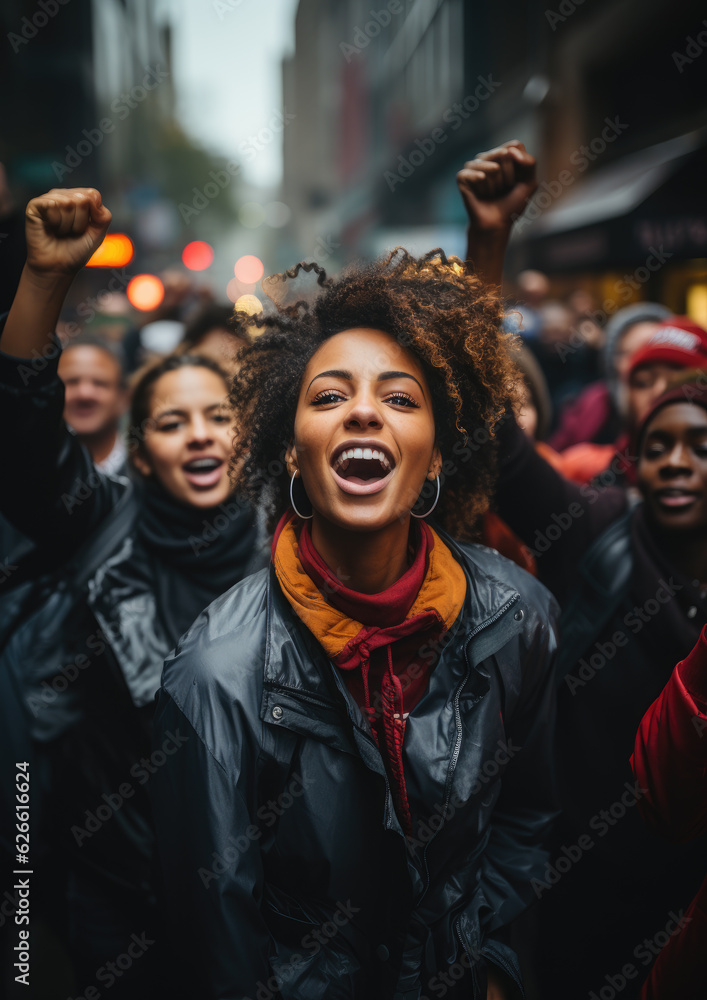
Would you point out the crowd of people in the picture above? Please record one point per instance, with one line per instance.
(357, 652)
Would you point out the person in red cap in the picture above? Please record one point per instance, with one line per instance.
(678, 342)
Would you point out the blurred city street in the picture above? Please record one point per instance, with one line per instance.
(231, 140)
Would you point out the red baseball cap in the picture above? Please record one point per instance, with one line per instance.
(678, 341)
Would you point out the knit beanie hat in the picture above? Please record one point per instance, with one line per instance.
(619, 324)
(692, 390)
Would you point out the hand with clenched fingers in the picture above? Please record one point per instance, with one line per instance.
(496, 185)
(64, 227)
(495, 188)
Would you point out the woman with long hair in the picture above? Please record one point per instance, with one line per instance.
(360, 804)
(150, 557)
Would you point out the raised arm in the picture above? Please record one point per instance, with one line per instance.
(55, 494)
(63, 229)
(556, 518)
(495, 188)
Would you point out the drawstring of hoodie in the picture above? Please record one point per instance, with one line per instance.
(369, 709)
(394, 721)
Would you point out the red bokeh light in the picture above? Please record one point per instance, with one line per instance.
(198, 255)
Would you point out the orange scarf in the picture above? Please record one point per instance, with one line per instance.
(442, 592)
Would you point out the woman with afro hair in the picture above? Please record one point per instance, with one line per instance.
(359, 801)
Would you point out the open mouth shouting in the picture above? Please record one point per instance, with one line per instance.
(203, 473)
(362, 467)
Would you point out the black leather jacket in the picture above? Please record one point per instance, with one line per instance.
(82, 687)
(278, 837)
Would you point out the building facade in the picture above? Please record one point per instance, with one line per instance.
(392, 98)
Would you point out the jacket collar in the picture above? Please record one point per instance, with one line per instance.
(301, 692)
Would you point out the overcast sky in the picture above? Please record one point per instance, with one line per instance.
(227, 69)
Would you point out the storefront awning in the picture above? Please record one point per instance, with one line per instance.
(614, 217)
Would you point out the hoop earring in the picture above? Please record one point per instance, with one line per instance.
(292, 501)
(421, 517)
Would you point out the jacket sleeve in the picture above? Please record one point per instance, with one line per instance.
(209, 854)
(51, 489)
(557, 519)
(670, 754)
(528, 801)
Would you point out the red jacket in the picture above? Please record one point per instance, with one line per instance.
(670, 761)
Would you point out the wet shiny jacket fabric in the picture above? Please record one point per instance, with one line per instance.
(290, 874)
(80, 692)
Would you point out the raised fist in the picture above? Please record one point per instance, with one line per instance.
(495, 187)
(64, 227)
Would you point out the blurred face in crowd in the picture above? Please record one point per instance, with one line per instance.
(533, 287)
(582, 302)
(364, 439)
(220, 345)
(644, 386)
(634, 339)
(672, 467)
(188, 440)
(94, 398)
(557, 324)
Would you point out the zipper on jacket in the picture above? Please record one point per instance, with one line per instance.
(368, 738)
(458, 741)
(388, 794)
(472, 965)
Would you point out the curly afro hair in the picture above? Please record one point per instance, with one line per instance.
(448, 319)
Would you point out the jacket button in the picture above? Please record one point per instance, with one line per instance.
(518, 615)
(277, 713)
(382, 953)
